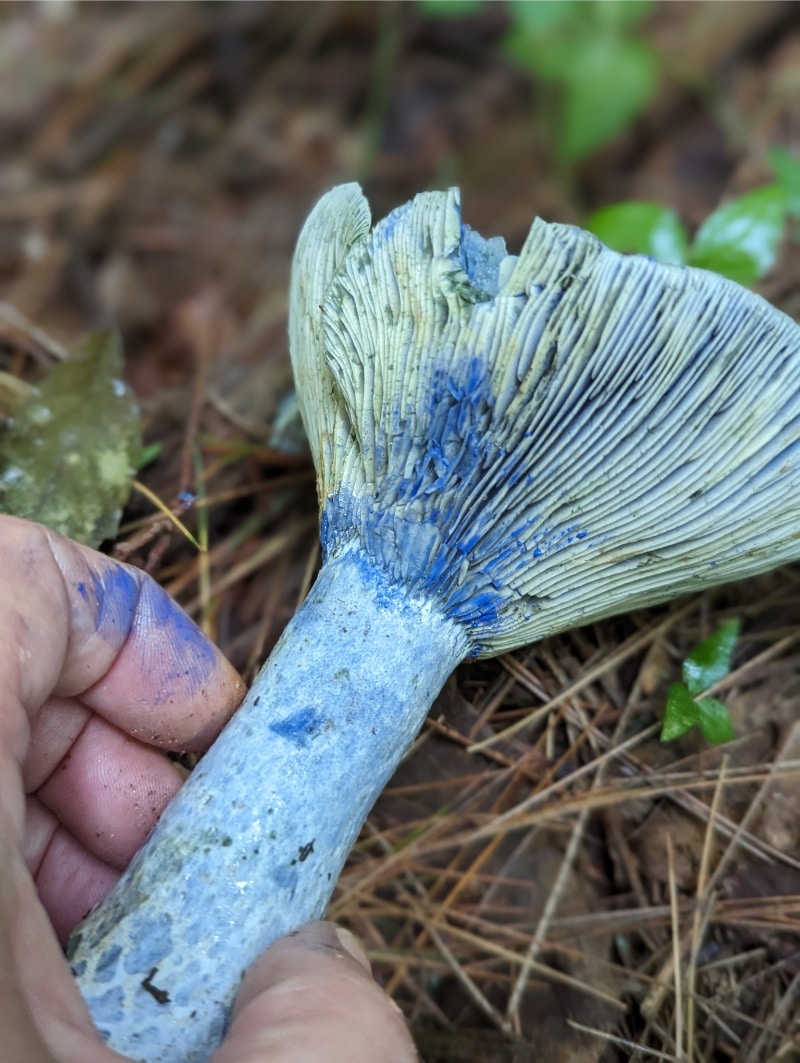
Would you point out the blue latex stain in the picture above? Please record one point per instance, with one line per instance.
(152, 943)
(427, 523)
(300, 728)
(106, 966)
(112, 595)
(195, 655)
(108, 1008)
(385, 228)
(427, 518)
(481, 259)
(456, 440)
(286, 877)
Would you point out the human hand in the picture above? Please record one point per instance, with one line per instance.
(98, 668)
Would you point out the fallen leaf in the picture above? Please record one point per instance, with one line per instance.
(69, 453)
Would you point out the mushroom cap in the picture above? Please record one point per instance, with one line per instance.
(543, 440)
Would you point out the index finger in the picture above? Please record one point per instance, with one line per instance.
(81, 625)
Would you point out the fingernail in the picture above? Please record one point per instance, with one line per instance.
(327, 937)
(353, 946)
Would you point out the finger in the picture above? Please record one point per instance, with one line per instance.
(168, 685)
(39, 1000)
(69, 879)
(91, 815)
(309, 998)
(109, 790)
(54, 728)
(79, 623)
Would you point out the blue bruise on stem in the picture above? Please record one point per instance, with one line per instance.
(300, 728)
(107, 964)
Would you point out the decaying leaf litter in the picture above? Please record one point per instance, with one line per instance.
(555, 886)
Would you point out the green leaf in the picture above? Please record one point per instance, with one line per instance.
(548, 56)
(740, 240)
(711, 660)
(70, 452)
(706, 665)
(611, 80)
(681, 713)
(644, 228)
(542, 16)
(451, 8)
(684, 712)
(786, 168)
(714, 720)
(622, 13)
(149, 455)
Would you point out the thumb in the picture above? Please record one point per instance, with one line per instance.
(311, 998)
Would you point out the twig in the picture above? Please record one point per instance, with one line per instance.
(676, 951)
(622, 1041)
(17, 320)
(627, 649)
(703, 909)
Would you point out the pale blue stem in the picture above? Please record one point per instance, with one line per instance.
(254, 843)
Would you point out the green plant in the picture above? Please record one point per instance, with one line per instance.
(786, 168)
(597, 74)
(740, 240)
(705, 666)
(451, 8)
(602, 73)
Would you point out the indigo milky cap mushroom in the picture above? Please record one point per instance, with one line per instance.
(505, 447)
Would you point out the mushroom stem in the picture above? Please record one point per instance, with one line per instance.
(337, 704)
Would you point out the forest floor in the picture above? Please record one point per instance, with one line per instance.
(572, 890)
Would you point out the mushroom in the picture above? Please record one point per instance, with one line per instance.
(505, 447)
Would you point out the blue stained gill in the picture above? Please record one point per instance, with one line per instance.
(517, 436)
(413, 520)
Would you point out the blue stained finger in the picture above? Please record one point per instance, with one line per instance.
(111, 594)
(173, 651)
